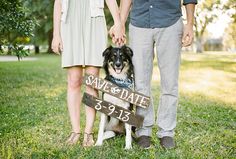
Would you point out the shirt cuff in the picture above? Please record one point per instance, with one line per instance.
(189, 2)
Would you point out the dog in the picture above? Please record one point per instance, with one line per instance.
(118, 67)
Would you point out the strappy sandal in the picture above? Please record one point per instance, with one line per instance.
(88, 140)
(73, 138)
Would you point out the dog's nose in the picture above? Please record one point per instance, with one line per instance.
(118, 64)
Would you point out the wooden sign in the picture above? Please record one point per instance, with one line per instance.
(113, 110)
(114, 90)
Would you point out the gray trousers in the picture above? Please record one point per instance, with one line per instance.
(168, 47)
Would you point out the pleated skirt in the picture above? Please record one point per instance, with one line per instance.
(84, 38)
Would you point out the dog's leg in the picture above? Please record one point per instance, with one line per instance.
(128, 138)
(101, 129)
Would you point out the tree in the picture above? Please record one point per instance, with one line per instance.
(42, 11)
(16, 26)
(230, 9)
(206, 13)
(230, 37)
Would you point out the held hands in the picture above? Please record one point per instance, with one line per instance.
(57, 46)
(117, 33)
(187, 38)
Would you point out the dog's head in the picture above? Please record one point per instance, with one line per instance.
(118, 61)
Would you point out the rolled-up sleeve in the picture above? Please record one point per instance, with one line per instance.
(189, 2)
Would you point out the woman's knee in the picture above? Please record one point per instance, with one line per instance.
(75, 79)
(92, 70)
(74, 83)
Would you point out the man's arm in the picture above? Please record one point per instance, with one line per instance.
(124, 10)
(188, 28)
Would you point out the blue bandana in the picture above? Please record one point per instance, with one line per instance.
(127, 83)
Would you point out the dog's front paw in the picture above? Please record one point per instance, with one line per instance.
(128, 147)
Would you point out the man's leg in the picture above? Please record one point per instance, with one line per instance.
(141, 42)
(168, 44)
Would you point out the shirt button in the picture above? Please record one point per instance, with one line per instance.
(151, 6)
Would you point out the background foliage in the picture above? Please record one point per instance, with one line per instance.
(19, 19)
(16, 26)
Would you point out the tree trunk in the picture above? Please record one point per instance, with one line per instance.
(199, 45)
(1, 48)
(9, 51)
(50, 36)
(18, 57)
(36, 49)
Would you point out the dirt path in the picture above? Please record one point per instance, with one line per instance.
(14, 58)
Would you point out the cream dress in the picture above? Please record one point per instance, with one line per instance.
(84, 37)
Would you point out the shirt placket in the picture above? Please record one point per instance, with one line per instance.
(151, 7)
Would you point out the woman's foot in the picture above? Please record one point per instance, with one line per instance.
(73, 138)
(88, 140)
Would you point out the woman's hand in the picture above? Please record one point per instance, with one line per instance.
(57, 45)
(117, 33)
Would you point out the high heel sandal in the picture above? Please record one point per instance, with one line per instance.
(88, 140)
(73, 138)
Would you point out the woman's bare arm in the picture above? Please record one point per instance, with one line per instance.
(118, 34)
(57, 42)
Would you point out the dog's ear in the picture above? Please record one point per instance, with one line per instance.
(127, 50)
(107, 51)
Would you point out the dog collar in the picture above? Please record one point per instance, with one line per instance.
(127, 83)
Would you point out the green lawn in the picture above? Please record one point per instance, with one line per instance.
(34, 121)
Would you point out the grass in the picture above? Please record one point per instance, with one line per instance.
(35, 123)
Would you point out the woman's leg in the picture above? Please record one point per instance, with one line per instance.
(90, 112)
(74, 79)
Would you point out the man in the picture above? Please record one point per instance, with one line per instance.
(158, 23)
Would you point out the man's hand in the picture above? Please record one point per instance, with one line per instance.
(187, 39)
(188, 36)
(57, 46)
(117, 33)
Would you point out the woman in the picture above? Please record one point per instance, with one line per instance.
(80, 34)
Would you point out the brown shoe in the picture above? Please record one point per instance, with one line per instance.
(167, 142)
(144, 142)
(88, 140)
(73, 138)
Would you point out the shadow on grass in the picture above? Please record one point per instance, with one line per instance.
(219, 65)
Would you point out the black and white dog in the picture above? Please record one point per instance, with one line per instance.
(118, 67)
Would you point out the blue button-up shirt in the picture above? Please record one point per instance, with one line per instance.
(156, 13)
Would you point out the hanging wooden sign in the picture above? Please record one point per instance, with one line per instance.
(125, 94)
(112, 110)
